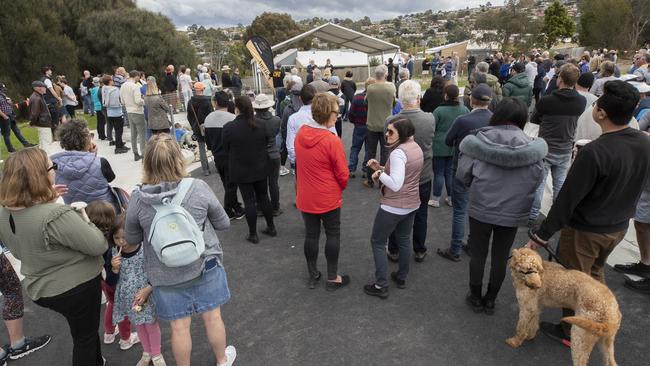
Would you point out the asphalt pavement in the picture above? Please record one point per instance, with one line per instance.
(274, 319)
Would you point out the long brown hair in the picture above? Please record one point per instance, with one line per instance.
(25, 180)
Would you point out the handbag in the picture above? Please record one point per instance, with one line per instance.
(121, 198)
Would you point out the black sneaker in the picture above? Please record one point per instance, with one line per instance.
(373, 290)
(236, 215)
(399, 283)
(3, 360)
(555, 332)
(419, 256)
(111, 143)
(489, 306)
(277, 212)
(475, 302)
(270, 231)
(253, 238)
(29, 144)
(642, 286)
(638, 269)
(31, 345)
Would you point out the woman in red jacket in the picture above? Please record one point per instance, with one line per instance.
(322, 175)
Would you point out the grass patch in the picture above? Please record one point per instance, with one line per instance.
(31, 134)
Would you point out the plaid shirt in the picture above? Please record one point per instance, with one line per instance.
(5, 107)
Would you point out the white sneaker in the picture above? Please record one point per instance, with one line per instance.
(144, 360)
(284, 171)
(448, 201)
(231, 354)
(124, 345)
(434, 203)
(159, 361)
(110, 338)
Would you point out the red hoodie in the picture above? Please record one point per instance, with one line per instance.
(322, 170)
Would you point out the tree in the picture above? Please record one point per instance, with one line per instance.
(274, 27)
(638, 21)
(119, 37)
(604, 23)
(32, 40)
(510, 21)
(557, 24)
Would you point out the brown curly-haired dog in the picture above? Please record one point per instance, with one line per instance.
(540, 284)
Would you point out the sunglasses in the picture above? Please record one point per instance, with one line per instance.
(54, 167)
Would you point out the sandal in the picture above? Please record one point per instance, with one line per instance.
(447, 254)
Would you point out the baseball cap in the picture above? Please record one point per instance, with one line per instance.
(482, 92)
(38, 83)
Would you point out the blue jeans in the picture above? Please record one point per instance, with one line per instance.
(89, 108)
(442, 175)
(358, 140)
(558, 165)
(459, 201)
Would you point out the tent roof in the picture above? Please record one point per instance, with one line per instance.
(344, 37)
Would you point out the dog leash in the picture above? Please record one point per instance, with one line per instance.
(534, 238)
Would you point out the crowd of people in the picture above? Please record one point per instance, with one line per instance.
(477, 147)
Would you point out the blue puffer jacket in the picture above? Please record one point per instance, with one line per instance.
(503, 168)
(82, 172)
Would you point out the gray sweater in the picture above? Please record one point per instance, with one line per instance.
(503, 168)
(425, 127)
(200, 202)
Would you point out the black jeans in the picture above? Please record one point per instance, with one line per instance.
(81, 307)
(71, 109)
(419, 224)
(332, 224)
(230, 202)
(274, 187)
(248, 192)
(101, 125)
(372, 139)
(118, 125)
(339, 127)
(8, 125)
(399, 225)
(479, 240)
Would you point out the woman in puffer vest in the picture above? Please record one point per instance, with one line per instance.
(502, 167)
(86, 175)
(400, 198)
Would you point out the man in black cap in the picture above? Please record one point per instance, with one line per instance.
(8, 121)
(518, 86)
(39, 114)
(479, 117)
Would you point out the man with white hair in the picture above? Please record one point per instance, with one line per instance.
(318, 83)
(84, 88)
(380, 97)
(425, 125)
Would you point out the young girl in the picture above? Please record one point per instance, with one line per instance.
(132, 293)
(102, 214)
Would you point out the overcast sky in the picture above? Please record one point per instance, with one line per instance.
(231, 12)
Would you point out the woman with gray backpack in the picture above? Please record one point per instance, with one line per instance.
(176, 219)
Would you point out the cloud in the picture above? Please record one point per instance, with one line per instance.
(226, 13)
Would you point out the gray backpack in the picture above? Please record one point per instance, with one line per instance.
(174, 235)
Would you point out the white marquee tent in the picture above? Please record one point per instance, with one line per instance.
(344, 37)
